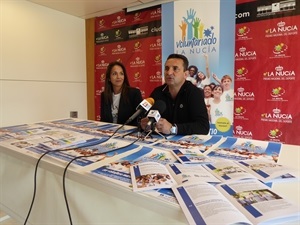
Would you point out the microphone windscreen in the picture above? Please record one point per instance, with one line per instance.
(150, 100)
(160, 106)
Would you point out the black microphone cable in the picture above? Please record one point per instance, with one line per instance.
(60, 150)
(57, 150)
(85, 156)
(35, 180)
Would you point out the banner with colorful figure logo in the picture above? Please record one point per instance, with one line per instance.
(204, 32)
(266, 93)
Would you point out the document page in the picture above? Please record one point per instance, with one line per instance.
(259, 203)
(202, 204)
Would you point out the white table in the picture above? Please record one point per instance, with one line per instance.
(92, 200)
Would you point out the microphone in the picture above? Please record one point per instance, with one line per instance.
(154, 114)
(143, 107)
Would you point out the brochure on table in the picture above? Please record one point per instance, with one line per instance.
(155, 166)
(238, 202)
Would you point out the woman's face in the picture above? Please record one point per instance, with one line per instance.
(201, 75)
(117, 76)
(218, 91)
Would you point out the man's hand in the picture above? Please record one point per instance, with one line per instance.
(163, 126)
(144, 122)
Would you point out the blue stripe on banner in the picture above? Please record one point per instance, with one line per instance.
(253, 211)
(210, 166)
(166, 191)
(176, 151)
(138, 154)
(191, 207)
(136, 170)
(249, 208)
(244, 163)
(184, 159)
(227, 36)
(273, 147)
(175, 169)
(262, 173)
(225, 177)
(121, 150)
(228, 189)
(213, 140)
(107, 126)
(228, 142)
(167, 22)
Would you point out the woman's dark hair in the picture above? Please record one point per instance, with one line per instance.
(218, 85)
(198, 78)
(108, 88)
(207, 85)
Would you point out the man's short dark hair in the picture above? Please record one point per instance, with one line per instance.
(179, 56)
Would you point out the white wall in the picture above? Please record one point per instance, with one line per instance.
(42, 64)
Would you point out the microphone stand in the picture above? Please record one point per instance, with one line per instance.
(139, 127)
(138, 130)
(153, 129)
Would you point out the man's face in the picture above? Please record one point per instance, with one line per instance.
(174, 72)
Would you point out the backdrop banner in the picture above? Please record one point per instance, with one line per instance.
(266, 67)
(204, 31)
(133, 39)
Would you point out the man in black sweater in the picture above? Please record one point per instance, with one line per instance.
(186, 111)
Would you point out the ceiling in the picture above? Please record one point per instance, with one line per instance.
(86, 9)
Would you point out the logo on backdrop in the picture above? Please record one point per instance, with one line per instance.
(277, 93)
(245, 54)
(118, 35)
(157, 60)
(102, 77)
(137, 47)
(239, 130)
(275, 134)
(138, 62)
(277, 116)
(137, 76)
(101, 38)
(195, 36)
(280, 51)
(241, 94)
(102, 51)
(102, 65)
(155, 13)
(242, 33)
(119, 49)
(101, 23)
(137, 17)
(118, 21)
(282, 29)
(279, 73)
(239, 113)
(156, 45)
(155, 77)
(267, 10)
(241, 73)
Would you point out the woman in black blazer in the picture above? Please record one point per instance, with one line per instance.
(118, 100)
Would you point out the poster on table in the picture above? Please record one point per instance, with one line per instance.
(267, 71)
(204, 31)
(133, 39)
